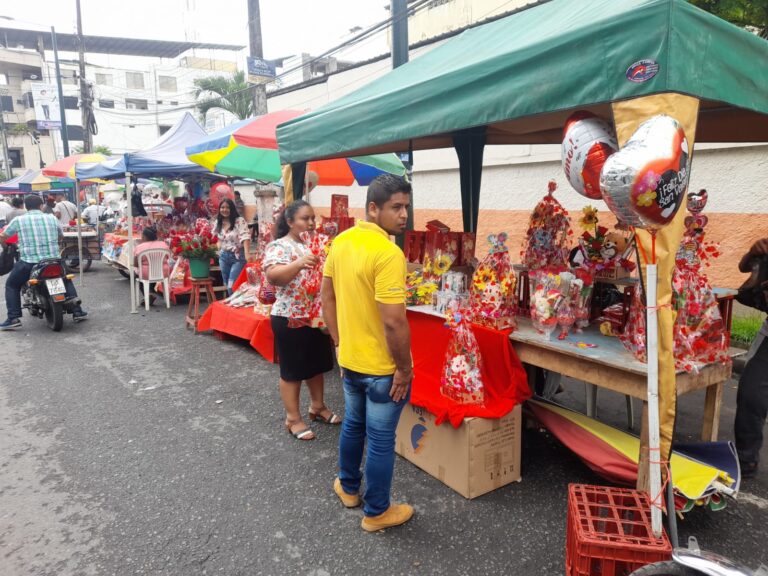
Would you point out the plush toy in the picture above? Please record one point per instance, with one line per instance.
(614, 246)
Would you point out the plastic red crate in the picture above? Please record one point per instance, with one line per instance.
(609, 532)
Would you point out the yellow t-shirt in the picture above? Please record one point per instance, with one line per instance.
(366, 267)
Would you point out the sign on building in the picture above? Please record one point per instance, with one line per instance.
(46, 101)
(260, 70)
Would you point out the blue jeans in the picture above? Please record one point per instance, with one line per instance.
(230, 268)
(16, 280)
(370, 412)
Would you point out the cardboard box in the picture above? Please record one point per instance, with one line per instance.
(478, 457)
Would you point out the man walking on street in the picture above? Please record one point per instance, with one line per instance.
(64, 210)
(363, 297)
(39, 235)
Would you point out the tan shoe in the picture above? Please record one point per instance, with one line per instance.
(349, 500)
(395, 515)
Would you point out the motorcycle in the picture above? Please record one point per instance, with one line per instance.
(44, 294)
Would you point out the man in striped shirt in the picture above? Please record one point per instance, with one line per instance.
(39, 235)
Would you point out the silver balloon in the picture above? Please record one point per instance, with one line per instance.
(644, 183)
(587, 142)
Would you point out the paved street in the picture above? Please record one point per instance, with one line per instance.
(131, 446)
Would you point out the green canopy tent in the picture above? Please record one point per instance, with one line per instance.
(516, 81)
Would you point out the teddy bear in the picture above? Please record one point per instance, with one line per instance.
(613, 247)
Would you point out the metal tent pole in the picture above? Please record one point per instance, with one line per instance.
(131, 276)
(654, 442)
(79, 231)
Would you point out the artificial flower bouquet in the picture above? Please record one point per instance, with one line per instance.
(200, 242)
(606, 252)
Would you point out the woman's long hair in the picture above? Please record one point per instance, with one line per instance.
(287, 215)
(233, 215)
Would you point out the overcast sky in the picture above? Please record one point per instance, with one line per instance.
(316, 26)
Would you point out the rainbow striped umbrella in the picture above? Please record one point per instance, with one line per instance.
(65, 168)
(248, 149)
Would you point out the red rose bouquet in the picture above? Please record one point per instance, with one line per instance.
(199, 243)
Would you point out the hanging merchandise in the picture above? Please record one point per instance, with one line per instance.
(588, 141)
(644, 182)
(492, 293)
(462, 380)
(137, 206)
(546, 243)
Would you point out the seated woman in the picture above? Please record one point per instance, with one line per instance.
(149, 241)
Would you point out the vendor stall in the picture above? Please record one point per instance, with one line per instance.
(519, 80)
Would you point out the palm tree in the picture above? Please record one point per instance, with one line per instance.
(232, 94)
(98, 149)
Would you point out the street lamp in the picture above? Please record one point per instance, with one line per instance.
(62, 112)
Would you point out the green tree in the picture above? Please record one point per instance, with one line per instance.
(98, 149)
(232, 94)
(744, 13)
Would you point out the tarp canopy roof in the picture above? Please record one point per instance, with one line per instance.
(35, 181)
(165, 159)
(521, 76)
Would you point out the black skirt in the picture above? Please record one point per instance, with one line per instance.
(302, 352)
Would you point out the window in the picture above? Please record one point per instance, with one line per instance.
(104, 79)
(6, 102)
(158, 101)
(3, 80)
(27, 98)
(16, 157)
(136, 104)
(163, 128)
(174, 102)
(106, 103)
(167, 83)
(70, 102)
(134, 80)
(75, 132)
(68, 77)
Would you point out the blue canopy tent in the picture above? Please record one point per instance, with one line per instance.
(165, 159)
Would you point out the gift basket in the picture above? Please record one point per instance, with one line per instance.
(492, 292)
(462, 381)
(605, 252)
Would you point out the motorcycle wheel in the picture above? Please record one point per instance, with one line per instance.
(54, 316)
(670, 568)
(71, 261)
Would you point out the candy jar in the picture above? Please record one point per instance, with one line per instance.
(565, 318)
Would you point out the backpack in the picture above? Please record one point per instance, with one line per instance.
(8, 257)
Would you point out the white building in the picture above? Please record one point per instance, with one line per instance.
(140, 88)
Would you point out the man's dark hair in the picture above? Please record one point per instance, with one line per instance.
(32, 202)
(383, 187)
(149, 234)
(17, 201)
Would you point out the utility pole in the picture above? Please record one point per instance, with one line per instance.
(256, 51)
(62, 110)
(85, 93)
(398, 11)
(3, 136)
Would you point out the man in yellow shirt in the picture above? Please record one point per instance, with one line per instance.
(363, 295)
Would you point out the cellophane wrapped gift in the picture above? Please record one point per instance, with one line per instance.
(492, 292)
(547, 237)
(247, 293)
(462, 380)
(581, 297)
(310, 305)
(700, 333)
(547, 294)
(634, 334)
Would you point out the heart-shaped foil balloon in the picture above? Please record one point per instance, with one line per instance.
(644, 183)
(588, 141)
(697, 201)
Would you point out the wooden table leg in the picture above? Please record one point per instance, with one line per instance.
(591, 393)
(711, 424)
(643, 473)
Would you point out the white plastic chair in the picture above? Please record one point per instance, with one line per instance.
(156, 259)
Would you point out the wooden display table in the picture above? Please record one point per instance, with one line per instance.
(612, 367)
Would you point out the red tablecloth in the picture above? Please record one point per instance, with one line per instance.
(242, 323)
(243, 277)
(506, 383)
